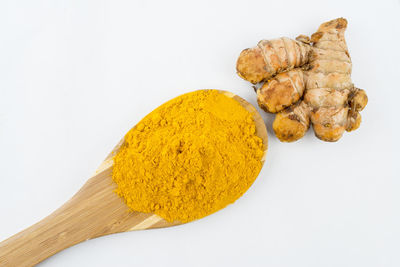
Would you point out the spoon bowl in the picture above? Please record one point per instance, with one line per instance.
(94, 211)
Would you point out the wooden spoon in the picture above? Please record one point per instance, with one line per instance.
(95, 210)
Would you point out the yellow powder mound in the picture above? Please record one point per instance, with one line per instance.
(190, 157)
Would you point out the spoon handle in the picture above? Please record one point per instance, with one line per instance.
(92, 212)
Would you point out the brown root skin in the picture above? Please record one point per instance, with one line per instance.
(282, 91)
(292, 123)
(353, 121)
(325, 97)
(357, 102)
(270, 57)
(329, 122)
(339, 24)
(251, 66)
(360, 100)
(303, 38)
(288, 130)
(328, 134)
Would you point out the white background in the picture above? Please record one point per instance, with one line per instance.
(75, 76)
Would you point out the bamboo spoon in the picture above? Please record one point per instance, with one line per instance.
(95, 210)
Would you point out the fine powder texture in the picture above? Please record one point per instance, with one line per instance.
(190, 157)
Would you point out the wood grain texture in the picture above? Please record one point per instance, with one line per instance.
(95, 210)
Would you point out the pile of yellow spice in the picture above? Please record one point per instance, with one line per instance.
(190, 157)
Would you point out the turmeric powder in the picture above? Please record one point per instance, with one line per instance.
(189, 158)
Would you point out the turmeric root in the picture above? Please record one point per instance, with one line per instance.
(306, 81)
